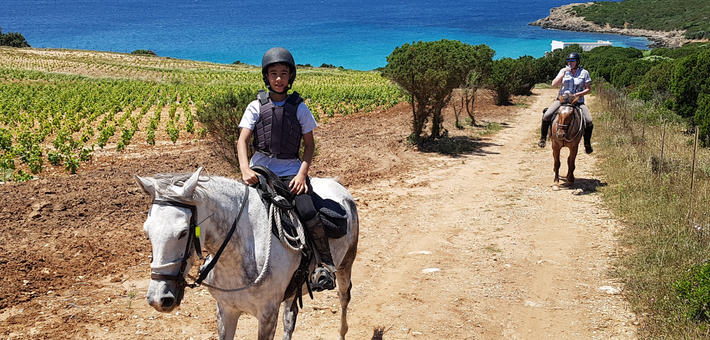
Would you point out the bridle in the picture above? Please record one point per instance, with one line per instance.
(193, 241)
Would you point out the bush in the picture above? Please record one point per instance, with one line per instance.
(430, 71)
(655, 83)
(601, 61)
(221, 115)
(13, 39)
(694, 292)
(503, 80)
(690, 78)
(144, 52)
(629, 74)
(679, 53)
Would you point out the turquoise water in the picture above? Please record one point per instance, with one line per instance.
(353, 34)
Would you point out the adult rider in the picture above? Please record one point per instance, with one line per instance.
(575, 81)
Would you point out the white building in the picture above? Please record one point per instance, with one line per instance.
(586, 46)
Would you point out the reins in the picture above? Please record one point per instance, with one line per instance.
(278, 204)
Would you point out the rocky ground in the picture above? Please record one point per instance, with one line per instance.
(475, 246)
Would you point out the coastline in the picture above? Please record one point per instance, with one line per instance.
(561, 19)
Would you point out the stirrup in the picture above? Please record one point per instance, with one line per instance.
(588, 148)
(541, 143)
(323, 279)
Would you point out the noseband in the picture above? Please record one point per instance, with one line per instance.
(193, 239)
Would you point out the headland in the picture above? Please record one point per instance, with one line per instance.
(562, 19)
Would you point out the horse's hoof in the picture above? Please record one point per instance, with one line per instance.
(541, 144)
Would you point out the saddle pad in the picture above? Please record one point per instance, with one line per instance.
(333, 215)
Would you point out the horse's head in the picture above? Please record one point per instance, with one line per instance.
(565, 115)
(168, 227)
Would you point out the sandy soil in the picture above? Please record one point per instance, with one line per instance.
(477, 246)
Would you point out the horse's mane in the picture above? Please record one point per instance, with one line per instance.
(164, 186)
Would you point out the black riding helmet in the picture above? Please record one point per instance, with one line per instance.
(278, 55)
(574, 55)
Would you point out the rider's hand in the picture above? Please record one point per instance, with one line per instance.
(249, 176)
(298, 185)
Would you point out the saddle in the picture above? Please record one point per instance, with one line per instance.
(332, 213)
(274, 191)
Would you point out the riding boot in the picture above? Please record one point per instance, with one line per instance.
(324, 275)
(543, 129)
(588, 139)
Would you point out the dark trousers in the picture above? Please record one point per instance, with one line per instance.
(304, 203)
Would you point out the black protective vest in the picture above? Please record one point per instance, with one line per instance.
(277, 132)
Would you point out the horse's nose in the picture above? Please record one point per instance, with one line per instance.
(167, 302)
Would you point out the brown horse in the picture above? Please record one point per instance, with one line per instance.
(567, 130)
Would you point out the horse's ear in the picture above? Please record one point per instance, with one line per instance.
(147, 185)
(190, 185)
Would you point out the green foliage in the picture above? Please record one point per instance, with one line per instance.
(655, 83)
(429, 72)
(602, 61)
(694, 292)
(627, 75)
(221, 116)
(144, 52)
(13, 39)
(682, 52)
(691, 77)
(667, 15)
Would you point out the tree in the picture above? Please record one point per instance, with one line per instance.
(429, 72)
(13, 39)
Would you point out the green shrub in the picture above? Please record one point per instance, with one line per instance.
(682, 52)
(601, 61)
(221, 115)
(655, 83)
(690, 78)
(694, 292)
(13, 39)
(144, 52)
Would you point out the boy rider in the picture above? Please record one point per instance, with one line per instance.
(277, 146)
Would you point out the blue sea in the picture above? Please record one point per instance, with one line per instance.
(353, 34)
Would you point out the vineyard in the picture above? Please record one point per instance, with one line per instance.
(58, 106)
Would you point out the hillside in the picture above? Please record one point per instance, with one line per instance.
(612, 18)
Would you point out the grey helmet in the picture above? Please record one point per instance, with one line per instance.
(574, 55)
(278, 55)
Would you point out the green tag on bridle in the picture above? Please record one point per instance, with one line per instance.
(197, 231)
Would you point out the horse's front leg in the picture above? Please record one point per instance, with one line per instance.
(227, 319)
(268, 318)
(570, 164)
(290, 314)
(556, 156)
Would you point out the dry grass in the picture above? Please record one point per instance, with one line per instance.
(647, 160)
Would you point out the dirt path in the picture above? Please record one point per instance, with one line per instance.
(470, 247)
(482, 247)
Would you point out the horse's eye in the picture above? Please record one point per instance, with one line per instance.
(182, 234)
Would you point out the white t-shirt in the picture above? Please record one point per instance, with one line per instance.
(574, 82)
(281, 167)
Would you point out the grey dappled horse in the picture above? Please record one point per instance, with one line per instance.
(254, 269)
